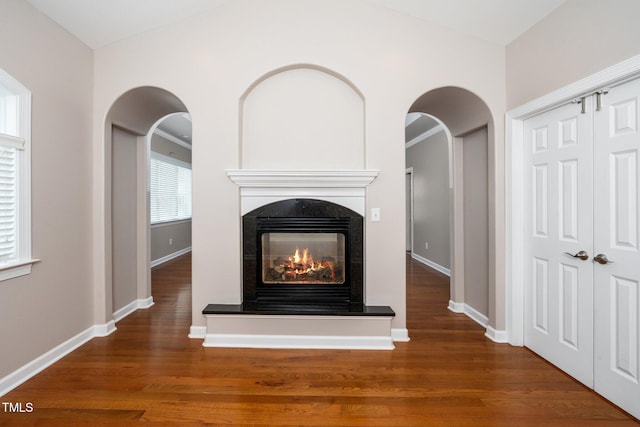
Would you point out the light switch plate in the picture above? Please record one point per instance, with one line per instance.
(375, 214)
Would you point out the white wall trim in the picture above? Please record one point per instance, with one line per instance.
(470, 312)
(424, 136)
(409, 171)
(476, 316)
(37, 365)
(197, 332)
(400, 335)
(169, 223)
(166, 258)
(144, 303)
(125, 311)
(273, 178)
(615, 74)
(429, 263)
(299, 341)
(131, 307)
(456, 307)
(105, 329)
(514, 135)
(172, 138)
(42, 362)
(259, 187)
(500, 337)
(494, 335)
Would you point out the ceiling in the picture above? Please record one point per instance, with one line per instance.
(178, 126)
(417, 124)
(101, 22)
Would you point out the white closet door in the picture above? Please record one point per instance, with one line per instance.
(559, 223)
(617, 293)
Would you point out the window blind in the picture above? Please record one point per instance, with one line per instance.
(8, 223)
(169, 189)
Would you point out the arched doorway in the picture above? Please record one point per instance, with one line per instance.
(127, 280)
(472, 256)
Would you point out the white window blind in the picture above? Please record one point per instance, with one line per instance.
(14, 180)
(8, 223)
(169, 189)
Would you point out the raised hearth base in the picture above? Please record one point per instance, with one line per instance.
(361, 327)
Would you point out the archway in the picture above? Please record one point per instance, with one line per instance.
(127, 280)
(471, 213)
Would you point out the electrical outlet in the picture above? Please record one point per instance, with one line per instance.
(170, 241)
(426, 245)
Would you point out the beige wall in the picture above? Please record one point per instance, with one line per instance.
(229, 48)
(54, 302)
(430, 162)
(578, 39)
(476, 221)
(286, 123)
(124, 247)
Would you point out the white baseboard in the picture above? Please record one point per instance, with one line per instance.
(400, 335)
(476, 316)
(299, 341)
(480, 319)
(429, 263)
(500, 337)
(456, 307)
(197, 332)
(131, 307)
(105, 329)
(37, 365)
(144, 303)
(169, 257)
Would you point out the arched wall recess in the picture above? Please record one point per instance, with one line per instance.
(286, 124)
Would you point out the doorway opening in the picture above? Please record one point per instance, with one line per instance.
(132, 122)
(449, 143)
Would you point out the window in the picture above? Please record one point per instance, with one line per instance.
(169, 188)
(15, 187)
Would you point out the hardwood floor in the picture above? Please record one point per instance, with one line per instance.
(449, 374)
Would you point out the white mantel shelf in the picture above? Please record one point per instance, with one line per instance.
(259, 187)
(261, 178)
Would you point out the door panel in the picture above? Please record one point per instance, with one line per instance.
(559, 288)
(617, 295)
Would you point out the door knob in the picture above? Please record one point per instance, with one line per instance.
(583, 255)
(602, 259)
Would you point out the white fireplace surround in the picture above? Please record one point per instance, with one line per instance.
(259, 187)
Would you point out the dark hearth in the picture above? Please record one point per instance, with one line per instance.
(302, 253)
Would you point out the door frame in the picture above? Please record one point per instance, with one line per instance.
(409, 171)
(514, 156)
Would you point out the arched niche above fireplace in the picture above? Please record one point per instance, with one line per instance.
(302, 115)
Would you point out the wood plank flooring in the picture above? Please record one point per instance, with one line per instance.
(449, 374)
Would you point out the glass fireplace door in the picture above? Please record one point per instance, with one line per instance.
(303, 258)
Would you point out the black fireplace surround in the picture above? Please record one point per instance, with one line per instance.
(271, 282)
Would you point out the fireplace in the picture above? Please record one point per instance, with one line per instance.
(302, 255)
(290, 300)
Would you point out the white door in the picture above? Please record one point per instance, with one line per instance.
(559, 231)
(581, 313)
(617, 293)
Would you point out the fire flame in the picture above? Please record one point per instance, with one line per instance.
(304, 264)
